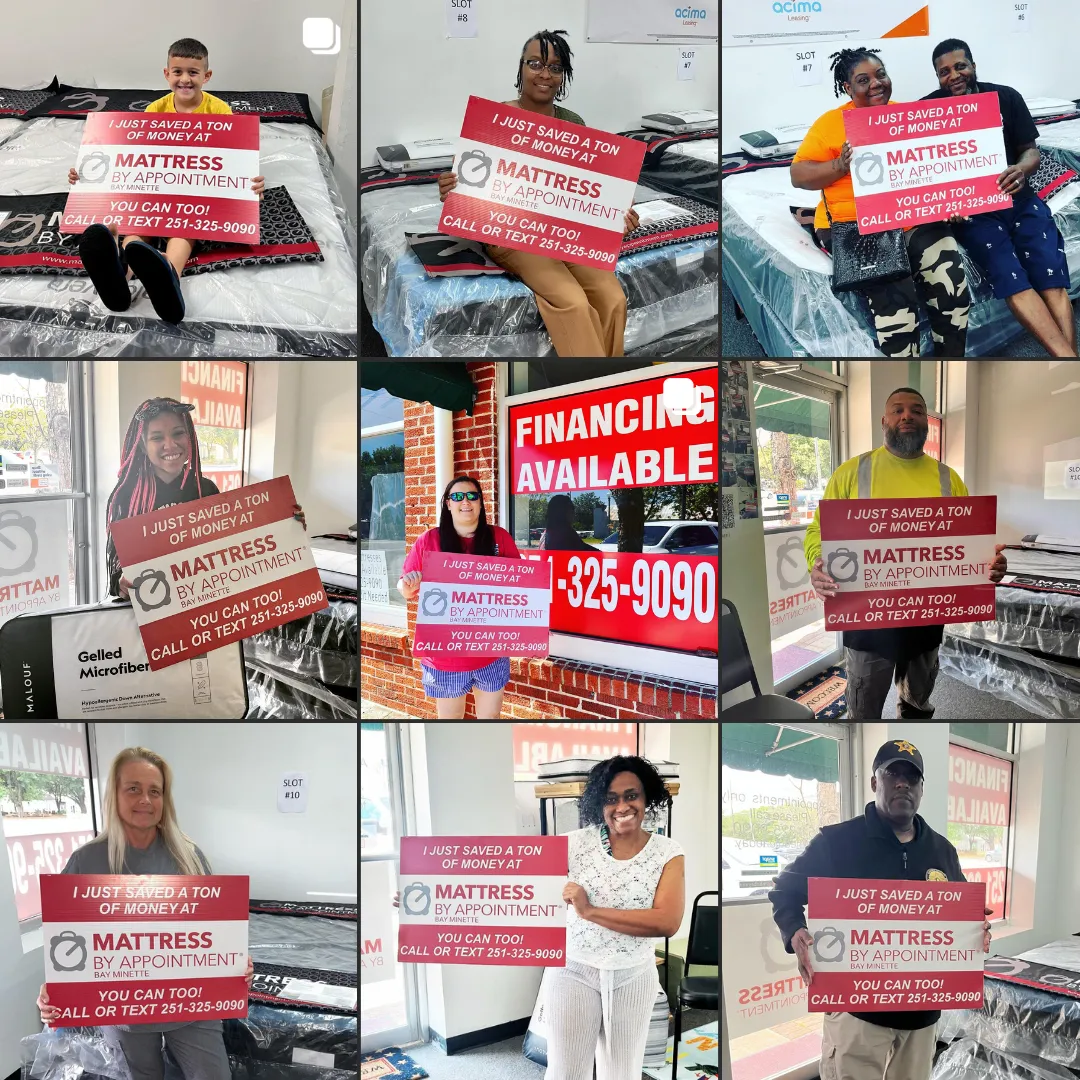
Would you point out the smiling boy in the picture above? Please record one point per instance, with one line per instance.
(187, 72)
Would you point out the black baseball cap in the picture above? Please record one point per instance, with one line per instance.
(898, 750)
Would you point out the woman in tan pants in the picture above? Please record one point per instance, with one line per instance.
(583, 307)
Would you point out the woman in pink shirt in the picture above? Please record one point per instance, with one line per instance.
(462, 528)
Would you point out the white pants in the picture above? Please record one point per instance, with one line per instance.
(598, 1014)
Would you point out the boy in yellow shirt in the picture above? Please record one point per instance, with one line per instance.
(187, 73)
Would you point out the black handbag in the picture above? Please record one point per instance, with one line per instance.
(871, 259)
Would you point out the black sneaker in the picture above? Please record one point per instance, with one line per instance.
(103, 262)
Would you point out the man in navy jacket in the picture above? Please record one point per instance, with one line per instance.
(889, 840)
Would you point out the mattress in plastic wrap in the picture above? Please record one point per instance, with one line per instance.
(783, 281)
(670, 291)
(1031, 1011)
(1044, 686)
(967, 1059)
(301, 1022)
(270, 309)
(1040, 622)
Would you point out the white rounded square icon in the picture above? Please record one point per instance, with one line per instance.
(319, 33)
(679, 396)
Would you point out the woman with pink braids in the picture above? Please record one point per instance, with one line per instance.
(160, 467)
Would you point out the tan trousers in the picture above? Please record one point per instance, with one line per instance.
(583, 307)
(853, 1049)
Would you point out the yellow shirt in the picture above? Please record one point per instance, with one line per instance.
(209, 104)
(890, 478)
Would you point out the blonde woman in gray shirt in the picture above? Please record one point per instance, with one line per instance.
(141, 836)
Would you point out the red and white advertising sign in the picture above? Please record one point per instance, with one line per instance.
(168, 174)
(978, 788)
(144, 950)
(926, 160)
(475, 605)
(535, 183)
(669, 601)
(217, 570)
(217, 389)
(932, 446)
(617, 437)
(908, 562)
(535, 744)
(483, 900)
(895, 946)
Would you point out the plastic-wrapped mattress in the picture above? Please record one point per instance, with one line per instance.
(967, 1059)
(1023, 1015)
(783, 281)
(671, 290)
(1040, 622)
(1044, 686)
(280, 309)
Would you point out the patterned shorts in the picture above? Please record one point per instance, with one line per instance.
(453, 684)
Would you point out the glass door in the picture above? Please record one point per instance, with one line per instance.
(798, 441)
(390, 1012)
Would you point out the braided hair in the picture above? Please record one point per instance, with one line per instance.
(562, 53)
(136, 489)
(843, 64)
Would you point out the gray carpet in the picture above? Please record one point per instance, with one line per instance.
(737, 339)
(505, 1061)
(953, 700)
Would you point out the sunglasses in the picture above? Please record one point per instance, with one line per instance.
(457, 496)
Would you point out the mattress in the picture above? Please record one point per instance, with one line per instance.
(1043, 685)
(782, 280)
(968, 1059)
(672, 292)
(1036, 620)
(336, 561)
(567, 770)
(8, 127)
(293, 309)
(1024, 1016)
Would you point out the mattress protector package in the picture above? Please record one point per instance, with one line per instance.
(783, 281)
(671, 290)
(270, 309)
(1030, 1014)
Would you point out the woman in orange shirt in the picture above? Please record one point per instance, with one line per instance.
(823, 163)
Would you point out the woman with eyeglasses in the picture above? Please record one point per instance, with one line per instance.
(463, 528)
(583, 307)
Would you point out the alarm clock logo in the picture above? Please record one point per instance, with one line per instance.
(94, 167)
(843, 565)
(831, 949)
(67, 952)
(434, 602)
(18, 543)
(474, 168)
(416, 899)
(869, 169)
(151, 589)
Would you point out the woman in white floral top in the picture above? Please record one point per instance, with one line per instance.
(627, 886)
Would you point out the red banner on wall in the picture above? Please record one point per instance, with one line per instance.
(617, 437)
(978, 788)
(217, 389)
(669, 601)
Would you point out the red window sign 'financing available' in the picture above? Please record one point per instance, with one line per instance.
(151, 949)
(483, 900)
(926, 160)
(166, 174)
(535, 183)
(895, 945)
(217, 570)
(908, 562)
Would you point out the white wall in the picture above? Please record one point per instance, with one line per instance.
(759, 87)
(225, 791)
(341, 130)
(418, 81)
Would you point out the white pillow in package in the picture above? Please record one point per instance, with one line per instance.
(417, 156)
(680, 121)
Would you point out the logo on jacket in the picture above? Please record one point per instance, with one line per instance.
(831, 949)
(936, 875)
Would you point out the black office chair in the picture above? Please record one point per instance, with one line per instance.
(699, 991)
(737, 669)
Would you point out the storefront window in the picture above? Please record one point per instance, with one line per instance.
(529, 375)
(382, 505)
(218, 390)
(622, 496)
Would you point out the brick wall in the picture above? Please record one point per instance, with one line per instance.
(538, 689)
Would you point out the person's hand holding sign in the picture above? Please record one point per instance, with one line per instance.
(250, 973)
(258, 185)
(576, 895)
(1011, 180)
(801, 942)
(842, 164)
(823, 584)
(632, 221)
(986, 929)
(998, 569)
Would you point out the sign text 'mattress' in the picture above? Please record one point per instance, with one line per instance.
(483, 900)
(123, 949)
(908, 562)
(885, 945)
(616, 437)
